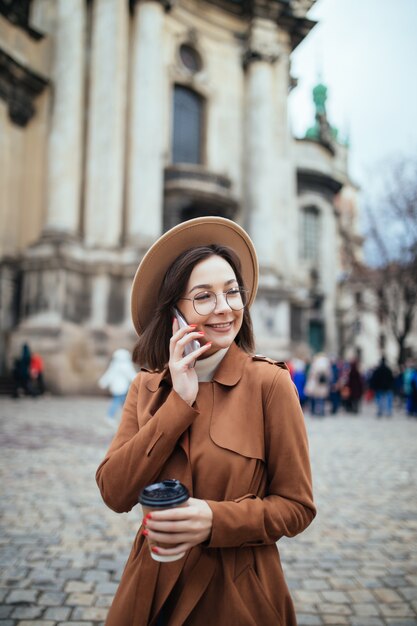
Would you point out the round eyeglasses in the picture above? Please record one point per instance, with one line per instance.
(205, 302)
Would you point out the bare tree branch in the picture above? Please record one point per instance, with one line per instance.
(392, 232)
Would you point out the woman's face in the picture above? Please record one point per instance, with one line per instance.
(223, 324)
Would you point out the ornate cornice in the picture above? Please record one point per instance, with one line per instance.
(18, 12)
(262, 42)
(297, 27)
(290, 15)
(251, 56)
(19, 86)
(167, 4)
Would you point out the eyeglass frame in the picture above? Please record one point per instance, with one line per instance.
(223, 293)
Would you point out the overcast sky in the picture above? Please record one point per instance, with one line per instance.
(365, 51)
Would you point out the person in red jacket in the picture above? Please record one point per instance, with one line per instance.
(36, 368)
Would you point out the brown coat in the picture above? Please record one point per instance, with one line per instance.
(243, 448)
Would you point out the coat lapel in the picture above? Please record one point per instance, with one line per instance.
(237, 418)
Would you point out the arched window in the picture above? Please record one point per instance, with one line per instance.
(187, 127)
(310, 233)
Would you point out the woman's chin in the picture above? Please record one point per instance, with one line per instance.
(219, 344)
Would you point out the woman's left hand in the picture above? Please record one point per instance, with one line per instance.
(183, 527)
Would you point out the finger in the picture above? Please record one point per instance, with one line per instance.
(182, 343)
(174, 514)
(171, 539)
(183, 526)
(180, 332)
(190, 358)
(174, 346)
(190, 336)
(183, 547)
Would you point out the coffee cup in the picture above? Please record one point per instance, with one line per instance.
(166, 494)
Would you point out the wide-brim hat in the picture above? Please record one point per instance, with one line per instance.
(202, 231)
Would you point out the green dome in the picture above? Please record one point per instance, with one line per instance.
(320, 97)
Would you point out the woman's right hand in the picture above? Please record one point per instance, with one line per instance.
(184, 378)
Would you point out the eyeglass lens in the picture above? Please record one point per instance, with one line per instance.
(205, 302)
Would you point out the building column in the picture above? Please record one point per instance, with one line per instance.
(285, 172)
(99, 300)
(146, 162)
(264, 130)
(106, 124)
(65, 141)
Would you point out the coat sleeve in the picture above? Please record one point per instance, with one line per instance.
(288, 507)
(137, 454)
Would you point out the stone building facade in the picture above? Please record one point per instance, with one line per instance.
(118, 120)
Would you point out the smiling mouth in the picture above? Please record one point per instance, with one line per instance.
(220, 326)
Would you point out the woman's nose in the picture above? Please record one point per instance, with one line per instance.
(221, 304)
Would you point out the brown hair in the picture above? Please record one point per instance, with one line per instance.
(152, 348)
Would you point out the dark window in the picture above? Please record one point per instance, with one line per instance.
(187, 131)
(116, 301)
(310, 234)
(316, 335)
(297, 323)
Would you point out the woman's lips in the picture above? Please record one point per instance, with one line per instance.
(221, 327)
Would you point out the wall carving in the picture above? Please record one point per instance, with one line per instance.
(19, 87)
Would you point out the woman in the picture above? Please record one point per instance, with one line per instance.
(231, 429)
(318, 384)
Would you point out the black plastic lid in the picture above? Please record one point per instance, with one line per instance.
(169, 492)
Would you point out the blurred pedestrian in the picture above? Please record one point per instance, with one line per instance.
(382, 383)
(369, 393)
(16, 377)
(36, 384)
(21, 372)
(117, 379)
(356, 387)
(298, 375)
(335, 385)
(399, 396)
(410, 388)
(318, 383)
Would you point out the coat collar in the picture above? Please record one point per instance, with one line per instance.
(231, 367)
(228, 373)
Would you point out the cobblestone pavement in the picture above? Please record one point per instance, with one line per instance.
(62, 550)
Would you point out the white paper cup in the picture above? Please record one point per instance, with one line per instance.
(167, 494)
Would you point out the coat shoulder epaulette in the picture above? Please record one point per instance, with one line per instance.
(261, 357)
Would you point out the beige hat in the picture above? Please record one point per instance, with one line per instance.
(202, 231)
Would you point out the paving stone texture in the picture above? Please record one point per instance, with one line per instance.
(62, 551)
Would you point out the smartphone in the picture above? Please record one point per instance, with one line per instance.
(192, 345)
